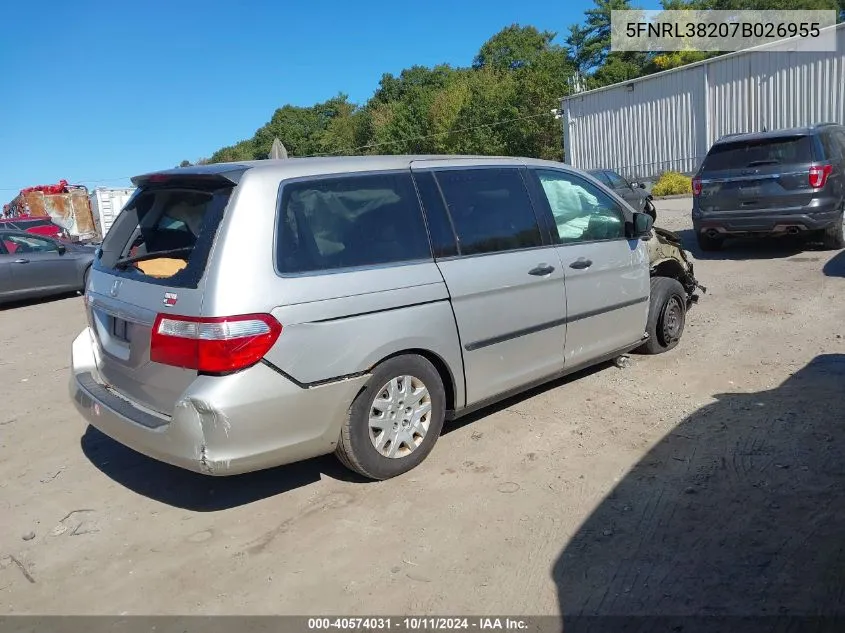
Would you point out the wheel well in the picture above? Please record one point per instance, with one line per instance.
(441, 367)
(669, 268)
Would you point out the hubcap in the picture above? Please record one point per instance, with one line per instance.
(400, 416)
(673, 320)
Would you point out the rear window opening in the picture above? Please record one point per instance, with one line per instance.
(164, 234)
(783, 150)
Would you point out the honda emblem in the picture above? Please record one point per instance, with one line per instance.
(115, 287)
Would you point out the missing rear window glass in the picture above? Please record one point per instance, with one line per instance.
(165, 234)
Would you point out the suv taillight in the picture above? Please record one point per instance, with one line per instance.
(696, 186)
(215, 344)
(819, 175)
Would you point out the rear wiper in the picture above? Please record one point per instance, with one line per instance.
(757, 163)
(125, 261)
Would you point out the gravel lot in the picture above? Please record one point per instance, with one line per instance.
(707, 480)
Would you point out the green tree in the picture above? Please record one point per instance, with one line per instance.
(513, 47)
(245, 150)
(589, 46)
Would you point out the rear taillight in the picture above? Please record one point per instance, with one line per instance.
(696, 186)
(213, 345)
(819, 175)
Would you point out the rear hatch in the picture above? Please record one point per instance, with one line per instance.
(153, 261)
(762, 174)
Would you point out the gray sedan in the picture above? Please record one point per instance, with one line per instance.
(33, 266)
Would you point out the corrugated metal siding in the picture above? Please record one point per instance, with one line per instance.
(668, 121)
(106, 203)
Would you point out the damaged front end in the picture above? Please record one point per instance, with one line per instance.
(668, 258)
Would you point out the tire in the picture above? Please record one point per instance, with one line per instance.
(666, 315)
(833, 238)
(709, 244)
(85, 276)
(357, 449)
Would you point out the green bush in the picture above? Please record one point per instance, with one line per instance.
(671, 183)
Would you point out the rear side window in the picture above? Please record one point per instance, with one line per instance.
(771, 151)
(348, 222)
(832, 150)
(839, 136)
(164, 234)
(490, 210)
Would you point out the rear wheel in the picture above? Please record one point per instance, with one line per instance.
(707, 243)
(395, 421)
(666, 315)
(834, 236)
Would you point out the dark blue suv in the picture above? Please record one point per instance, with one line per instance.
(784, 182)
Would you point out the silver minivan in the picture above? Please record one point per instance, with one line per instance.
(244, 316)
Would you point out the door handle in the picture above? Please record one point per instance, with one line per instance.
(542, 270)
(21, 261)
(581, 263)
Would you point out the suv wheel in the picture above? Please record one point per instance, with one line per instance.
(707, 243)
(834, 236)
(666, 315)
(394, 422)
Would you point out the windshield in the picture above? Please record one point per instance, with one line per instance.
(770, 151)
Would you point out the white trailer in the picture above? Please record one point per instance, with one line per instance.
(106, 203)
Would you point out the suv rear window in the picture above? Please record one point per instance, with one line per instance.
(348, 222)
(164, 234)
(770, 151)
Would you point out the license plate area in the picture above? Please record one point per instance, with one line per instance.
(120, 329)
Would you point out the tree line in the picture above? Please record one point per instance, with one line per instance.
(499, 105)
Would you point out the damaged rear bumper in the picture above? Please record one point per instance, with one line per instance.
(218, 427)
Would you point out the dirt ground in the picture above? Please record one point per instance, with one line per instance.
(707, 480)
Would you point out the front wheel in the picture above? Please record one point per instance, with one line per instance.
(395, 420)
(666, 315)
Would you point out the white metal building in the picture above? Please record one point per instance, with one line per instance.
(106, 203)
(667, 121)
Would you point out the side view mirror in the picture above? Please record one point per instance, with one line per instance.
(643, 224)
(61, 248)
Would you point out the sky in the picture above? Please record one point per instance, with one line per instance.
(95, 92)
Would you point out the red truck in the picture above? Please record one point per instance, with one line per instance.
(38, 226)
